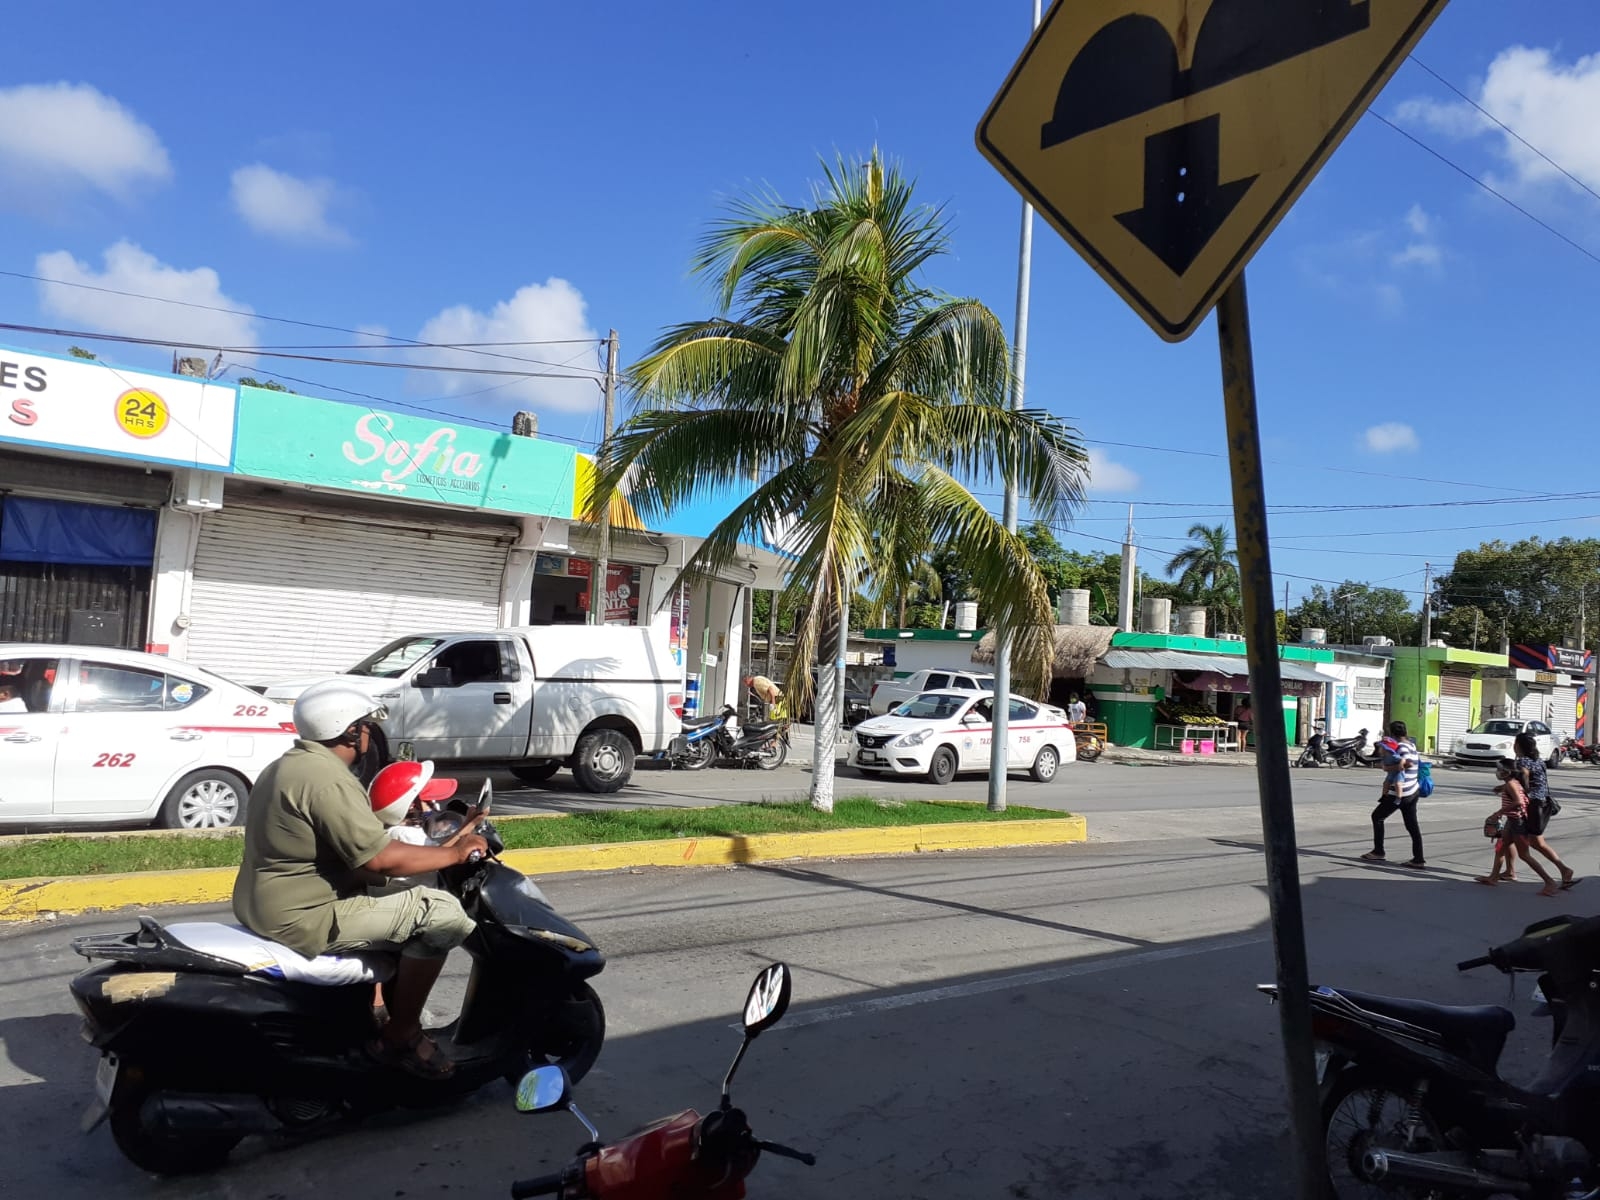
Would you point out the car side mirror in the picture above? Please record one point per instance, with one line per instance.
(434, 677)
(972, 718)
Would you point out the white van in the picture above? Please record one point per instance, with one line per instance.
(532, 699)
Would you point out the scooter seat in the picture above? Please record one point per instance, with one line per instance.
(1477, 1032)
(691, 723)
(260, 956)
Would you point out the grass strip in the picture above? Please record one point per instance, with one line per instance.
(54, 858)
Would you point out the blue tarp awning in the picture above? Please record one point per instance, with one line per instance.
(61, 531)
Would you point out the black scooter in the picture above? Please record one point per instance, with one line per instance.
(199, 1049)
(763, 744)
(1412, 1101)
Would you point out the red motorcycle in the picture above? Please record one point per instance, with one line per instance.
(686, 1156)
(1572, 748)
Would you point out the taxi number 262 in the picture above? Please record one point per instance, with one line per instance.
(115, 760)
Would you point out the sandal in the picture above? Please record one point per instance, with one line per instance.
(1570, 882)
(1373, 856)
(1550, 889)
(1486, 880)
(420, 1056)
(380, 1016)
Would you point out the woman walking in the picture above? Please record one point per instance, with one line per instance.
(1513, 816)
(1538, 789)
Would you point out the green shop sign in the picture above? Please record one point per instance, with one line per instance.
(323, 443)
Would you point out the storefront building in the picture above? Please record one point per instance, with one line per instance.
(98, 467)
(1147, 684)
(1542, 683)
(1438, 691)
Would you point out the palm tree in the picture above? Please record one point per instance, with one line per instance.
(1208, 570)
(861, 401)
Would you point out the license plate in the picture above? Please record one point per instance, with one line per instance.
(870, 756)
(105, 1081)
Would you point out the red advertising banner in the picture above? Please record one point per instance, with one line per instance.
(622, 590)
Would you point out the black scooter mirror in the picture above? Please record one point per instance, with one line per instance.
(763, 1008)
(543, 1089)
(768, 999)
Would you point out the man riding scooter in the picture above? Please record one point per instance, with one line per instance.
(312, 844)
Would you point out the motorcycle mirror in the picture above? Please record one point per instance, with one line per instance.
(763, 1008)
(768, 999)
(485, 798)
(543, 1089)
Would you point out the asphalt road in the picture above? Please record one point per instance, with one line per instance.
(1077, 1021)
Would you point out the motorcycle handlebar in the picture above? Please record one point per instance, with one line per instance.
(1472, 964)
(810, 1160)
(539, 1185)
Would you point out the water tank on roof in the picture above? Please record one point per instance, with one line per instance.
(1192, 621)
(1313, 637)
(966, 614)
(1074, 608)
(1155, 615)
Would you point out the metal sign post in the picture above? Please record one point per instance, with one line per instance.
(1272, 737)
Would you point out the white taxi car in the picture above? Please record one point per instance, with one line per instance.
(95, 735)
(942, 732)
(1489, 741)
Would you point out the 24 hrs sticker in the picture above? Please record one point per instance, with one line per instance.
(142, 413)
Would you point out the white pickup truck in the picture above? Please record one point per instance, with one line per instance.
(891, 693)
(531, 700)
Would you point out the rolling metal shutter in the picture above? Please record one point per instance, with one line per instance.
(278, 594)
(1564, 717)
(1455, 708)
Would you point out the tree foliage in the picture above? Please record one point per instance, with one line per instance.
(1534, 589)
(1354, 610)
(1208, 574)
(862, 401)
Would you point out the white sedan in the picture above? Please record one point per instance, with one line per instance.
(1488, 741)
(940, 733)
(92, 735)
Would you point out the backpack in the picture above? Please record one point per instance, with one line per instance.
(1424, 780)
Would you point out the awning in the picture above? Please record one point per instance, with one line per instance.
(1216, 664)
(1172, 660)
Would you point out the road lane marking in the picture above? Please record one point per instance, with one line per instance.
(958, 991)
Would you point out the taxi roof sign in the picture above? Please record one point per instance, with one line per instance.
(1165, 139)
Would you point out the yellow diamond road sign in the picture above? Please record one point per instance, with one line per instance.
(1164, 139)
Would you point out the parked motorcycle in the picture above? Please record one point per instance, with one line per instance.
(686, 1156)
(208, 1033)
(763, 744)
(1572, 748)
(1323, 751)
(1412, 1101)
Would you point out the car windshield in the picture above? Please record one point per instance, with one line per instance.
(395, 659)
(930, 706)
(1504, 728)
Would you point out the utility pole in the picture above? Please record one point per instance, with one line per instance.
(602, 566)
(1000, 738)
(1427, 603)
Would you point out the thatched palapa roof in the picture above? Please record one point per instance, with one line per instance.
(1077, 649)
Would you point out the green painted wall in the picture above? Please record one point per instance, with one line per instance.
(1128, 722)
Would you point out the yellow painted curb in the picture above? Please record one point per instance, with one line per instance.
(28, 899)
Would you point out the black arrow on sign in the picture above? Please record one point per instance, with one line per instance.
(1184, 202)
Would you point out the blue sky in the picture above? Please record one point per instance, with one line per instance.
(541, 172)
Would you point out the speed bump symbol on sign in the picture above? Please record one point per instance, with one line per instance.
(1165, 139)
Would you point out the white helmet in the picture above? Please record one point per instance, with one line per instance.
(325, 710)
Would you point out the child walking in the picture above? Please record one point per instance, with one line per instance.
(1513, 840)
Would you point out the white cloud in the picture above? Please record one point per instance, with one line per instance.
(1419, 222)
(1423, 250)
(128, 268)
(1391, 437)
(285, 206)
(1549, 103)
(1106, 476)
(63, 137)
(551, 311)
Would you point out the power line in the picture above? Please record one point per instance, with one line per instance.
(1498, 195)
(353, 362)
(1504, 126)
(245, 312)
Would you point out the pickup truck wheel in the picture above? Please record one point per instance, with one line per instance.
(603, 761)
(536, 772)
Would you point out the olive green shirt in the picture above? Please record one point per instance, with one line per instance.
(308, 826)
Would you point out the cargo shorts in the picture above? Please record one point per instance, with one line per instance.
(419, 922)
